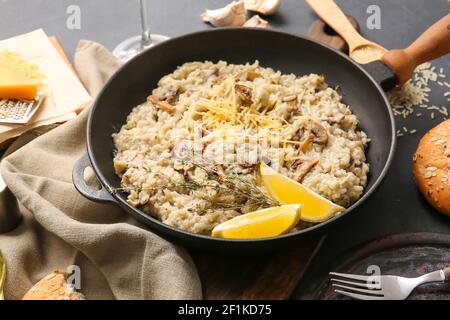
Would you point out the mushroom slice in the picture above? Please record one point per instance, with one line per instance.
(291, 101)
(120, 166)
(256, 22)
(302, 166)
(234, 14)
(314, 132)
(334, 120)
(265, 7)
(306, 144)
(172, 96)
(245, 94)
(183, 150)
(161, 104)
(319, 133)
(252, 75)
(248, 167)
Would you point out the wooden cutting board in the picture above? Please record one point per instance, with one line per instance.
(271, 276)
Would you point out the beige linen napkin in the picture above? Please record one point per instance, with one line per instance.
(117, 258)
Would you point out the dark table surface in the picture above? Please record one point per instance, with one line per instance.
(396, 207)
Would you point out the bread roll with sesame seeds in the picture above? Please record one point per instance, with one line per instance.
(431, 167)
(53, 287)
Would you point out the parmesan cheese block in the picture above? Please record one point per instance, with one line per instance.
(14, 85)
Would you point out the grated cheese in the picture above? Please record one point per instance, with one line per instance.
(13, 60)
(224, 111)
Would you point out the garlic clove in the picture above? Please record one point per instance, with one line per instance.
(256, 22)
(265, 7)
(234, 14)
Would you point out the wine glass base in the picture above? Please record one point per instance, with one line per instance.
(132, 46)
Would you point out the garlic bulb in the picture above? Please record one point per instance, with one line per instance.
(233, 14)
(266, 7)
(256, 22)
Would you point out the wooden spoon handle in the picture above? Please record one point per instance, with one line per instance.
(332, 15)
(432, 44)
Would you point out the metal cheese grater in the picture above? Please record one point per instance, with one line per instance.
(19, 111)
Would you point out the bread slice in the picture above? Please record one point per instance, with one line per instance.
(53, 287)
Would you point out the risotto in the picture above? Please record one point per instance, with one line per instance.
(189, 154)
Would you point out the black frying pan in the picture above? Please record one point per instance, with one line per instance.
(285, 52)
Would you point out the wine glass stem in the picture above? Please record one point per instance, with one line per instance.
(146, 34)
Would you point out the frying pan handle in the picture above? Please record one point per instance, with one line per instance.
(97, 195)
(382, 74)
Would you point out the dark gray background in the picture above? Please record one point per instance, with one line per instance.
(396, 207)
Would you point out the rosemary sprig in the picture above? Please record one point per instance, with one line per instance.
(234, 185)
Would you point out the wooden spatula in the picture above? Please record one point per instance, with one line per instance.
(360, 49)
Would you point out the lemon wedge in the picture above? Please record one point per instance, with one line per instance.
(263, 223)
(315, 208)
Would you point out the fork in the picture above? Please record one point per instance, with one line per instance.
(383, 287)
